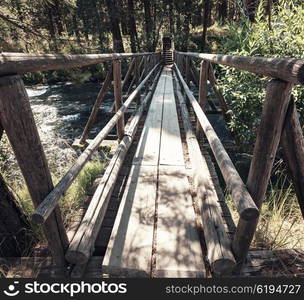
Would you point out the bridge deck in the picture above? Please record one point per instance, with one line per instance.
(154, 232)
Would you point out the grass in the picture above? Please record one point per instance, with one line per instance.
(281, 222)
(71, 202)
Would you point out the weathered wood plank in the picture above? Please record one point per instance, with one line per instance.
(147, 152)
(178, 250)
(171, 151)
(129, 251)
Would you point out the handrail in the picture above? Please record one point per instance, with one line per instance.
(18, 63)
(47, 206)
(287, 69)
(242, 199)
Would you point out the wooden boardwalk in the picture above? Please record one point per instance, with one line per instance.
(154, 232)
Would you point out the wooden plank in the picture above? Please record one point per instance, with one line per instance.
(148, 146)
(171, 150)
(178, 250)
(129, 251)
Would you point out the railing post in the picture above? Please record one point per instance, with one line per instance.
(187, 75)
(292, 142)
(203, 87)
(267, 141)
(18, 122)
(118, 97)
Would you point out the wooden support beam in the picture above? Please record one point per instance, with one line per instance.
(129, 73)
(288, 69)
(292, 142)
(118, 97)
(187, 70)
(195, 73)
(218, 244)
(18, 122)
(242, 199)
(82, 245)
(265, 148)
(49, 203)
(18, 63)
(219, 94)
(203, 89)
(98, 102)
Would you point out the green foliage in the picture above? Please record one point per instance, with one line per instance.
(244, 91)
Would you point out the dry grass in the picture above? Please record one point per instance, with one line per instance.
(281, 222)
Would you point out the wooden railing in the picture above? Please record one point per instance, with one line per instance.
(279, 123)
(18, 122)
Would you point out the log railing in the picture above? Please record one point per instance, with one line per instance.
(17, 120)
(279, 123)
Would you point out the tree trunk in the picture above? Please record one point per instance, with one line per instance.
(114, 20)
(250, 7)
(206, 21)
(222, 10)
(148, 24)
(186, 28)
(15, 236)
(132, 26)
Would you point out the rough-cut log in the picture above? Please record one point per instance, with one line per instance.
(98, 102)
(118, 97)
(12, 63)
(128, 74)
(242, 199)
(288, 69)
(50, 202)
(292, 142)
(265, 148)
(82, 245)
(202, 93)
(19, 124)
(219, 252)
(219, 95)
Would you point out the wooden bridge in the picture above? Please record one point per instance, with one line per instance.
(158, 210)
